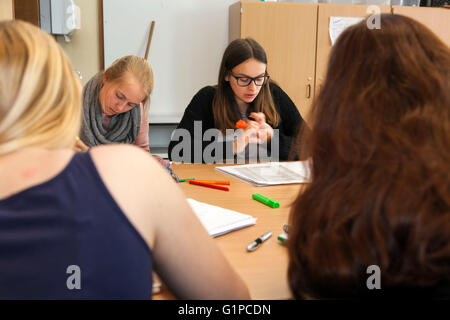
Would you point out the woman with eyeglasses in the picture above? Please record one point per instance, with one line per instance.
(244, 92)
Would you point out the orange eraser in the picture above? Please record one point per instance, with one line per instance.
(241, 124)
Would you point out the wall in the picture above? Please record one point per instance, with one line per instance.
(84, 49)
(188, 42)
(6, 10)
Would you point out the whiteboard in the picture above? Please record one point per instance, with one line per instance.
(188, 42)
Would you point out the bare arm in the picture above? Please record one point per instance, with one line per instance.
(185, 256)
(142, 139)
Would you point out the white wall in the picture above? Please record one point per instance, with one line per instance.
(187, 46)
(84, 48)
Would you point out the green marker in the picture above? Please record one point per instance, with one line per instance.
(269, 202)
(183, 180)
(283, 237)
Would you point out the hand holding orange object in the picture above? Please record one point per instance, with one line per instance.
(241, 125)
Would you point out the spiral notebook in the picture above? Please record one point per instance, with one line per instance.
(218, 221)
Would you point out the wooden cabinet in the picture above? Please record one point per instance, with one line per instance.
(287, 31)
(296, 38)
(326, 11)
(436, 19)
(6, 10)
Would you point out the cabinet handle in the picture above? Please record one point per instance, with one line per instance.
(309, 91)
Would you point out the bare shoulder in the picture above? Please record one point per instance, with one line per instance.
(137, 183)
(119, 155)
(127, 166)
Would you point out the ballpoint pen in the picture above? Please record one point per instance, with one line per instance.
(255, 244)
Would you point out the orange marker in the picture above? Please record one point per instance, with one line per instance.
(226, 183)
(241, 125)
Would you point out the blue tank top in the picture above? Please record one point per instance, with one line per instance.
(68, 239)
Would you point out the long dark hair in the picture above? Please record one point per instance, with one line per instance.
(224, 104)
(380, 150)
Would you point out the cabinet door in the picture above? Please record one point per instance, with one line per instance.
(323, 35)
(6, 10)
(436, 19)
(287, 32)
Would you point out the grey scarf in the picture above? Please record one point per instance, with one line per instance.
(124, 127)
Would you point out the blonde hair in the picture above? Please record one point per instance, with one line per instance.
(40, 103)
(137, 66)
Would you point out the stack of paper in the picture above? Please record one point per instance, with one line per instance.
(217, 220)
(271, 173)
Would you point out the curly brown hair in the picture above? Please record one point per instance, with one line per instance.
(380, 152)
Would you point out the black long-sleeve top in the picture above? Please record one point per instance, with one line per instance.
(200, 109)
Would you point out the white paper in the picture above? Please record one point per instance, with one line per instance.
(217, 220)
(271, 173)
(339, 24)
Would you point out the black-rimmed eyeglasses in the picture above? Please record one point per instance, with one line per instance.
(245, 81)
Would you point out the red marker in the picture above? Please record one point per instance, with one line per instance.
(208, 185)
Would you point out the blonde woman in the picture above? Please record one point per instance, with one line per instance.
(75, 225)
(115, 105)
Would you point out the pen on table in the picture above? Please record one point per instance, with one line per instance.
(209, 185)
(187, 179)
(173, 174)
(255, 244)
(227, 183)
(283, 237)
(268, 202)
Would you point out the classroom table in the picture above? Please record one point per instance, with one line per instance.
(264, 270)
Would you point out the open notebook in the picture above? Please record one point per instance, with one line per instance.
(217, 220)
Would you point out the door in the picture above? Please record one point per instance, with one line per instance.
(27, 10)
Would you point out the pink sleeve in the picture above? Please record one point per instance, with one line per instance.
(142, 138)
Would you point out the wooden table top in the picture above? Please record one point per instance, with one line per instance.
(264, 270)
